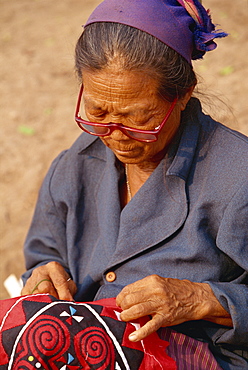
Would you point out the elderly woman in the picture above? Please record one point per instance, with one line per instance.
(150, 205)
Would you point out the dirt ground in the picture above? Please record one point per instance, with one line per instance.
(39, 90)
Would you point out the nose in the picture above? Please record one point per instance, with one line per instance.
(118, 135)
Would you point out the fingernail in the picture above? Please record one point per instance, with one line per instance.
(132, 337)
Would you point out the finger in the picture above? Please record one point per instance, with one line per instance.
(143, 286)
(137, 311)
(127, 291)
(42, 286)
(64, 286)
(131, 295)
(67, 290)
(45, 286)
(52, 279)
(32, 284)
(29, 285)
(150, 327)
(25, 290)
(60, 292)
(133, 299)
(72, 287)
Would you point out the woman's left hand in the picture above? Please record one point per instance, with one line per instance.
(169, 302)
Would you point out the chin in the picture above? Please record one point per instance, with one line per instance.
(129, 159)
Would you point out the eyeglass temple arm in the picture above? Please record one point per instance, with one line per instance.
(77, 114)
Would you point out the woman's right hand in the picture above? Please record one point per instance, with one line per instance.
(53, 279)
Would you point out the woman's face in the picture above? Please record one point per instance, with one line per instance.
(131, 98)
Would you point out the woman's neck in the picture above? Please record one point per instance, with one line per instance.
(136, 176)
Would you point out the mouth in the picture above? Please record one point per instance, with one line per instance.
(125, 150)
(122, 150)
(126, 153)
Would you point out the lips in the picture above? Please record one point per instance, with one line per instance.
(125, 152)
(122, 150)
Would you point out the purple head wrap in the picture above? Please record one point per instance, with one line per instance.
(184, 25)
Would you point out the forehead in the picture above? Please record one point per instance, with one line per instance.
(117, 86)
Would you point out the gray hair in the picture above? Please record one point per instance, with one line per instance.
(103, 43)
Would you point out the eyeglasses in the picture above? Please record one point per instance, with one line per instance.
(105, 129)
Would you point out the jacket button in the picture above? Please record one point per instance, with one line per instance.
(110, 276)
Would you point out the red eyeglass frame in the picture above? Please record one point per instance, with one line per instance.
(119, 126)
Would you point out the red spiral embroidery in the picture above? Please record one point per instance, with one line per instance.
(23, 365)
(46, 338)
(94, 347)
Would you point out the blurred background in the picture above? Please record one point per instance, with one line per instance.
(39, 90)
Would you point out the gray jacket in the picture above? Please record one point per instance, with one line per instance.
(188, 221)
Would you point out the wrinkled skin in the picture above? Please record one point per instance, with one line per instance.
(169, 302)
(131, 98)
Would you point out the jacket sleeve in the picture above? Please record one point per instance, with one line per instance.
(46, 239)
(232, 239)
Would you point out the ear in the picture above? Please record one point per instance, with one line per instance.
(184, 101)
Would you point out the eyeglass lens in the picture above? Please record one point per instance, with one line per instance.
(103, 131)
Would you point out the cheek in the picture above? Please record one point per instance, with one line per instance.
(170, 128)
(150, 150)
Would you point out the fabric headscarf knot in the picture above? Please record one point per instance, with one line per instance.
(204, 32)
(183, 25)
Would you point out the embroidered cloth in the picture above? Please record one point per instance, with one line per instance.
(41, 332)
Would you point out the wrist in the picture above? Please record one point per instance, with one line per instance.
(210, 308)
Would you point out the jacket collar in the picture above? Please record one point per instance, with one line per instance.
(156, 212)
(91, 146)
